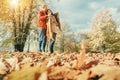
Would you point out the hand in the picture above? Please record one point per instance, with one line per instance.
(49, 14)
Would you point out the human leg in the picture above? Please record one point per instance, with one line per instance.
(52, 41)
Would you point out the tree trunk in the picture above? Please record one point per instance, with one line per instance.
(19, 47)
(21, 28)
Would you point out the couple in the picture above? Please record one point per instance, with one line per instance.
(47, 28)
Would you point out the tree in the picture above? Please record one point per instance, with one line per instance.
(21, 16)
(61, 39)
(84, 36)
(104, 31)
(66, 40)
(5, 36)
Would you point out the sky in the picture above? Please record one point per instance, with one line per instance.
(78, 13)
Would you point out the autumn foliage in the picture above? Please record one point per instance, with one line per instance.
(73, 66)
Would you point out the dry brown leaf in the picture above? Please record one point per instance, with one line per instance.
(81, 57)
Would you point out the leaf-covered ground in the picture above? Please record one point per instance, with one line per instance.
(72, 66)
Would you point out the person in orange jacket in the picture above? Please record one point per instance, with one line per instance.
(42, 22)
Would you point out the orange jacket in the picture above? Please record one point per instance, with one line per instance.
(42, 19)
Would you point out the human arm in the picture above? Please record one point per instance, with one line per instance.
(42, 16)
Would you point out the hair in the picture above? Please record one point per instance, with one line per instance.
(44, 5)
(50, 11)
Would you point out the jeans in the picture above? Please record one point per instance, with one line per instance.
(52, 41)
(42, 40)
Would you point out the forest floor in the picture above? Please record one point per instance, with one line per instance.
(72, 66)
